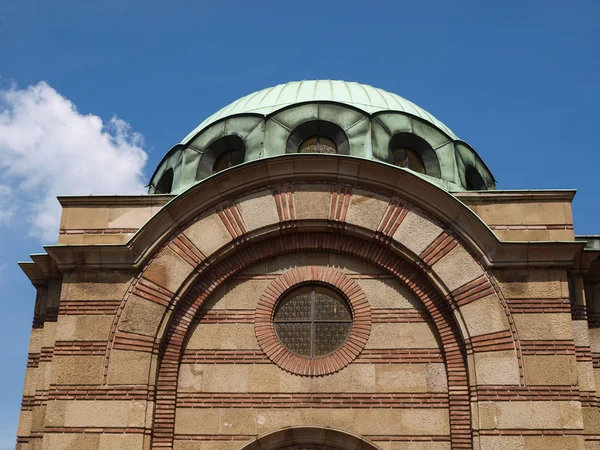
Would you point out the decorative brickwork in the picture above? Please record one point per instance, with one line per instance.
(431, 259)
(190, 305)
(175, 348)
(394, 214)
(265, 332)
(232, 218)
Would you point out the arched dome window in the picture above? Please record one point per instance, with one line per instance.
(318, 136)
(318, 144)
(474, 180)
(228, 159)
(408, 158)
(223, 153)
(414, 153)
(165, 184)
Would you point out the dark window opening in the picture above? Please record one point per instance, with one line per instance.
(228, 159)
(165, 184)
(474, 180)
(408, 158)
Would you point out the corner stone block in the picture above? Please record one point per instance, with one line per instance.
(77, 369)
(484, 316)
(96, 413)
(457, 268)
(585, 376)
(550, 370)
(208, 234)
(141, 316)
(83, 328)
(534, 327)
(416, 232)
(25, 420)
(92, 286)
(258, 210)
(168, 270)
(540, 283)
(581, 334)
(591, 420)
(497, 368)
(594, 336)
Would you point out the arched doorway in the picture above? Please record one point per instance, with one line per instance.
(309, 438)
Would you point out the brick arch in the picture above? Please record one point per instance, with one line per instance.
(319, 438)
(414, 277)
(412, 233)
(378, 220)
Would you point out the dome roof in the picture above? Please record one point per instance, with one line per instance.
(362, 121)
(361, 96)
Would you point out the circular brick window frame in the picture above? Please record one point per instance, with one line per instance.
(323, 365)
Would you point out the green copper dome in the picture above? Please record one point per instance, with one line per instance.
(361, 96)
(323, 116)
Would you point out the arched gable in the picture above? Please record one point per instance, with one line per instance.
(303, 216)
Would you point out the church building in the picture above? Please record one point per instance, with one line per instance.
(320, 265)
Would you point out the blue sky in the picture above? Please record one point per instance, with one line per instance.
(518, 80)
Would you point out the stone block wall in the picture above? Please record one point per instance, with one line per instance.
(395, 392)
(164, 353)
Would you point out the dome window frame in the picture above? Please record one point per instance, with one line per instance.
(165, 183)
(473, 179)
(228, 159)
(420, 147)
(318, 129)
(409, 160)
(318, 144)
(218, 148)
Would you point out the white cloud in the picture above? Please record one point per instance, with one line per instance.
(48, 148)
(7, 209)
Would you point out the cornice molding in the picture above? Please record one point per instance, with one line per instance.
(265, 174)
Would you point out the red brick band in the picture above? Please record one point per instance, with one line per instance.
(313, 400)
(368, 356)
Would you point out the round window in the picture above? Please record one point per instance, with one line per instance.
(312, 321)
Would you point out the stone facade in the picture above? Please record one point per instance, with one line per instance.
(473, 341)
(472, 320)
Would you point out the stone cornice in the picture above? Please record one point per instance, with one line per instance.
(115, 200)
(358, 172)
(509, 196)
